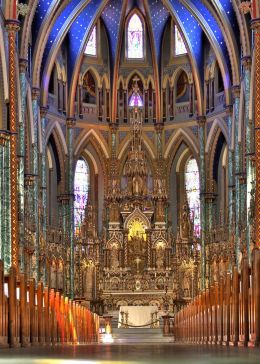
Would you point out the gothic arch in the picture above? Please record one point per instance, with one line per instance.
(214, 140)
(187, 136)
(94, 72)
(56, 125)
(82, 140)
(217, 124)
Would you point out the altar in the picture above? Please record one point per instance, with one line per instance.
(138, 317)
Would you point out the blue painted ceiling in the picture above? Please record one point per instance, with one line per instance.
(74, 18)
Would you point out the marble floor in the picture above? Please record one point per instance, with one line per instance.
(157, 353)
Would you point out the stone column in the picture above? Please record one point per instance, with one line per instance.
(43, 112)
(145, 105)
(35, 187)
(256, 27)
(246, 61)
(64, 98)
(5, 203)
(80, 101)
(21, 154)
(191, 96)
(70, 187)
(125, 106)
(100, 101)
(159, 130)
(107, 106)
(164, 104)
(237, 170)
(201, 120)
(13, 27)
(231, 202)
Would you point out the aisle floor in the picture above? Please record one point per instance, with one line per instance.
(131, 354)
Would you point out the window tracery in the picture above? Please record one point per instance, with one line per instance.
(135, 41)
(192, 187)
(91, 48)
(81, 189)
(180, 47)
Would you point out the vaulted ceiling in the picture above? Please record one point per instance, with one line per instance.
(56, 21)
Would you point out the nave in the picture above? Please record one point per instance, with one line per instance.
(134, 353)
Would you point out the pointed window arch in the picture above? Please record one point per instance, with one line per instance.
(192, 187)
(180, 47)
(91, 48)
(81, 190)
(135, 38)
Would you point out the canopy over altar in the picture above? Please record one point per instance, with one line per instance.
(138, 316)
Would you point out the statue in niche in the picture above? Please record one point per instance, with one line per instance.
(113, 213)
(160, 211)
(114, 258)
(160, 257)
(185, 221)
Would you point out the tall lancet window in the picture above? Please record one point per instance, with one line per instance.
(180, 47)
(135, 38)
(81, 188)
(192, 187)
(91, 48)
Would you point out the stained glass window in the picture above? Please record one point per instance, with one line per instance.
(135, 38)
(136, 100)
(180, 47)
(91, 48)
(81, 188)
(192, 186)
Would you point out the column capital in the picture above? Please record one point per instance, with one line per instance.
(43, 111)
(23, 63)
(236, 91)
(12, 25)
(201, 120)
(4, 137)
(113, 127)
(159, 127)
(229, 109)
(246, 62)
(70, 122)
(35, 93)
(255, 24)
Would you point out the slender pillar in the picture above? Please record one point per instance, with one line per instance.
(13, 27)
(43, 112)
(246, 61)
(100, 102)
(35, 187)
(256, 27)
(70, 186)
(201, 120)
(159, 129)
(107, 106)
(80, 101)
(5, 203)
(21, 154)
(237, 159)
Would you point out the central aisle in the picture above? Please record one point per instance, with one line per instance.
(131, 354)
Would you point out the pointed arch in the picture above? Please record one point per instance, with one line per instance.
(218, 123)
(56, 125)
(187, 136)
(135, 30)
(83, 138)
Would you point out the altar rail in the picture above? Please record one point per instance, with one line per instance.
(37, 315)
(227, 313)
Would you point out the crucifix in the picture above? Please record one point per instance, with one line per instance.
(138, 261)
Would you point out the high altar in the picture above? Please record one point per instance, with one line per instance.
(138, 262)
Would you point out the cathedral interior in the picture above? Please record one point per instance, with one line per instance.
(129, 159)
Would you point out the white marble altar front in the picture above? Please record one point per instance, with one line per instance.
(138, 316)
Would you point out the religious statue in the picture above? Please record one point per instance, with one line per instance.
(185, 222)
